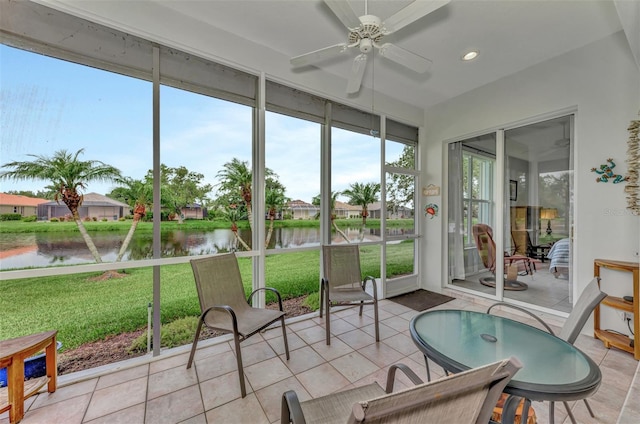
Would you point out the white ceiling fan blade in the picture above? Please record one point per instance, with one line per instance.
(318, 55)
(411, 13)
(357, 72)
(344, 12)
(405, 58)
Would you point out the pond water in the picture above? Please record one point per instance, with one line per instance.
(49, 249)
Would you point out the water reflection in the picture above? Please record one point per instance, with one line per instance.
(48, 249)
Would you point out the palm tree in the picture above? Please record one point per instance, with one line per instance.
(334, 196)
(234, 215)
(68, 175)
(137, 194)
(274, 201)
(235, 179)
(363, 195)
(235, 186)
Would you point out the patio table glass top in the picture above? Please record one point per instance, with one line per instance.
(553, 369)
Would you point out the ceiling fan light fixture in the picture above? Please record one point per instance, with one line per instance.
(470, 55)
(366, 33)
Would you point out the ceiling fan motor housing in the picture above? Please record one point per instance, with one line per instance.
(367, 34)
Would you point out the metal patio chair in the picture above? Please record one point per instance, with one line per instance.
(225, 308)
(464, 398)
(342, 284)
(588, 300)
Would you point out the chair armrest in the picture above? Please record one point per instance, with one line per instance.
(291, 411)
(391, 376)
(271, 289)
(226, 308)
(373, 283)
(510, 409)
(544, 324)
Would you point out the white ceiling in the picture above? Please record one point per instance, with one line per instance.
(511, 35)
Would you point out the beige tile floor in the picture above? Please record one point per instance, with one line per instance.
(162, 390)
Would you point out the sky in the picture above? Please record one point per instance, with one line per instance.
(48, 105)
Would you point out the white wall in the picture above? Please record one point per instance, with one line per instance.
(602, 82)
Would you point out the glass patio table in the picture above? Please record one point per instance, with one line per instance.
(553, 370)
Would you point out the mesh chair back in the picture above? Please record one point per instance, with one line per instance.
(483, 236)
(521, 241)
(342, 267)
(467, 397)
(588, 300)
(219, 282)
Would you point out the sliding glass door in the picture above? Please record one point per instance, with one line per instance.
(471, 208)
(538, 175)
(528, 251)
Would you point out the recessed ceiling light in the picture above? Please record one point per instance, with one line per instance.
(470, 55)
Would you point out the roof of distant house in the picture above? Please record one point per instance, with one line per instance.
(18, 200)
(301, 204)
(343, 205)
(95, 199)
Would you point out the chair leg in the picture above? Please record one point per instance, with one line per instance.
(426, 362)
(375, 317)
(589, 408)
(327, 319)
(321, 297)
(236, 341)
(195, 344)
(571, 417)
(552, 410)
(284, 337)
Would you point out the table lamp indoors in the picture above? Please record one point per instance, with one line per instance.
(549, 214)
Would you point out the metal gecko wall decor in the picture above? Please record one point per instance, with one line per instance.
(606, 173)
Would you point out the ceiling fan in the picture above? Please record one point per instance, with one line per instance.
(366, 33)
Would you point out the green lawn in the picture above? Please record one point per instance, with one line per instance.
(83, 310)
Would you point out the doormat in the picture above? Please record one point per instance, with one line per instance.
(421, 300)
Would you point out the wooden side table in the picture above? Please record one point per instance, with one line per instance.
(13, 353)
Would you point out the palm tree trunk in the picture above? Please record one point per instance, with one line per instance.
(339, 231)
(270, 232)
(87, 238)
(127, 239)
(242, 242)
(250, 215)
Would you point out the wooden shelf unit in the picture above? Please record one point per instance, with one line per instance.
(610, 338)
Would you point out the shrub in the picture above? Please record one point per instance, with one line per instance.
(87, 219)
(55, 220)
(176, 333)
(31, 218)
(121, 219)
(10, 217)
(104, 220)
(94, 219)
(312, 301)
